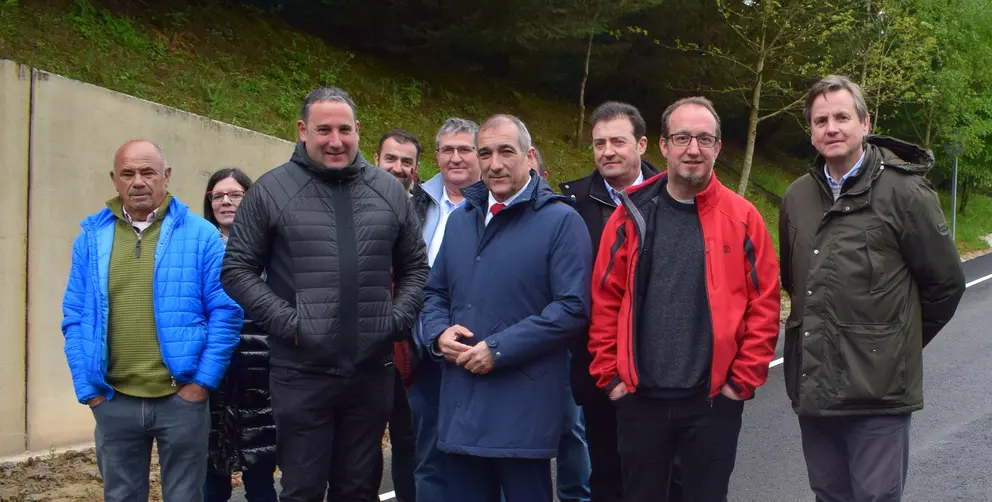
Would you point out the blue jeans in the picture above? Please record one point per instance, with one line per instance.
(430, 474)
(258, 480)
(125, 429)
(573, 455)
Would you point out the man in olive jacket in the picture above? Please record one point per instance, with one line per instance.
(873, 275)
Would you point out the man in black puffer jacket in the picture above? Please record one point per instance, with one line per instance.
(333, 233)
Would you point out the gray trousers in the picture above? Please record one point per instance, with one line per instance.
(125, 428)
(856, 459)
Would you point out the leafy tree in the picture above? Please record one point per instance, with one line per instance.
(777, 47)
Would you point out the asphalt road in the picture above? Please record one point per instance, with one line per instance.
(951, 448)
(951, 438)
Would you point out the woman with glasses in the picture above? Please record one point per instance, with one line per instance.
(242, 432)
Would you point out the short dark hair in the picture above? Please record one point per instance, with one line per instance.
(326, 94)
(615, 109)
(228, 172)
(540, 161)
(833, 83)
(402, 137)
(694, 100)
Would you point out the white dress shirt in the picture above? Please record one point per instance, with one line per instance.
(492, 200)
(445, 208)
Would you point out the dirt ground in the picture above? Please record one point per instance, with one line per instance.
(67, 477)
(71, 477)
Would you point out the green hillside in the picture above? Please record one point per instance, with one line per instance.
(245, 67)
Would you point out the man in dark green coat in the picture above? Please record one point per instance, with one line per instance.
(868, 261)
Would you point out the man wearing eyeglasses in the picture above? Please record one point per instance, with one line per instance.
(345, 269)
(685, 315)
(435, 200)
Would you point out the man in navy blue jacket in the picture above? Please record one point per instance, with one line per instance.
(508, 291)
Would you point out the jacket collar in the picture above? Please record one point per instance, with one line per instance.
(347, 173)
(177, 212)
(881, 152)
(652, 187)
(594, 185)
(537, 193)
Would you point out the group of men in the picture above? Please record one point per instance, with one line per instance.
(460, 310)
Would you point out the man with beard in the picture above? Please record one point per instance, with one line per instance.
(618, 141)
(399, 153)
(345, 267)
(685, 315)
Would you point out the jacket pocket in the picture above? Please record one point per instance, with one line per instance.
(873, 363)
(876, 259)
(792, 354)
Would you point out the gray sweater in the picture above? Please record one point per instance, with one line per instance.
(674, 340)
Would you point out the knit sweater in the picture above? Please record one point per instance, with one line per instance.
(136, 367)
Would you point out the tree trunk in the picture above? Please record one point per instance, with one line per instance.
(582, 94)
(752, 127)
(864, 66)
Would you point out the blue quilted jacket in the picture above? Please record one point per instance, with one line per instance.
(199, 326)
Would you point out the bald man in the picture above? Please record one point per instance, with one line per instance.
(148, 329)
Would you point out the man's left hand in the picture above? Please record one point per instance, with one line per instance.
(729, 393)
(478, 359)
(193, 393)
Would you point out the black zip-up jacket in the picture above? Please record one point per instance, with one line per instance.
(332, 243)
(595, 205)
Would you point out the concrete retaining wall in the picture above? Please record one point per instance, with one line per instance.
(57, 141)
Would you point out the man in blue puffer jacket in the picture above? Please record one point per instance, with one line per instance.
(148, 329)
(508, 292)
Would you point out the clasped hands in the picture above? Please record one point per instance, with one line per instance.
(477, 359)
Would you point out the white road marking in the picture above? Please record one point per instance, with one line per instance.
(392, 495)
(977, 281)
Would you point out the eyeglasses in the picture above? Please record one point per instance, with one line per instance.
(703, 140)
(463, 151)
(234, 195)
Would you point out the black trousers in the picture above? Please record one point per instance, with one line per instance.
(328, 424)
(402, 445)
(605, 478)
(858, 459)
(652, 432)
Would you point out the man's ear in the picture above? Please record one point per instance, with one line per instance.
(301, 126)
(642, 145)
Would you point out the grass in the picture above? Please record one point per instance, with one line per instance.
(245, 67)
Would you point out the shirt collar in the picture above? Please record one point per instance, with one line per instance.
(614, 194)
(149, 219)
(446, 201)
(507, 202)
(850, 174)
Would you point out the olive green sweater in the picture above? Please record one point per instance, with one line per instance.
(136, 367)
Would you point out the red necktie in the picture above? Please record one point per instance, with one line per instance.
(495, 208)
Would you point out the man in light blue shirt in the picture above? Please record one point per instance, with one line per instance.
(434, 201)
(836, 186)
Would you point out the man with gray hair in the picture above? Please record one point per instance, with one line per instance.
(148, 329)
(508, 291)
(435, 200)
(873, 273)
(345, 267)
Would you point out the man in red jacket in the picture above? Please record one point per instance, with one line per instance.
(685, 314)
